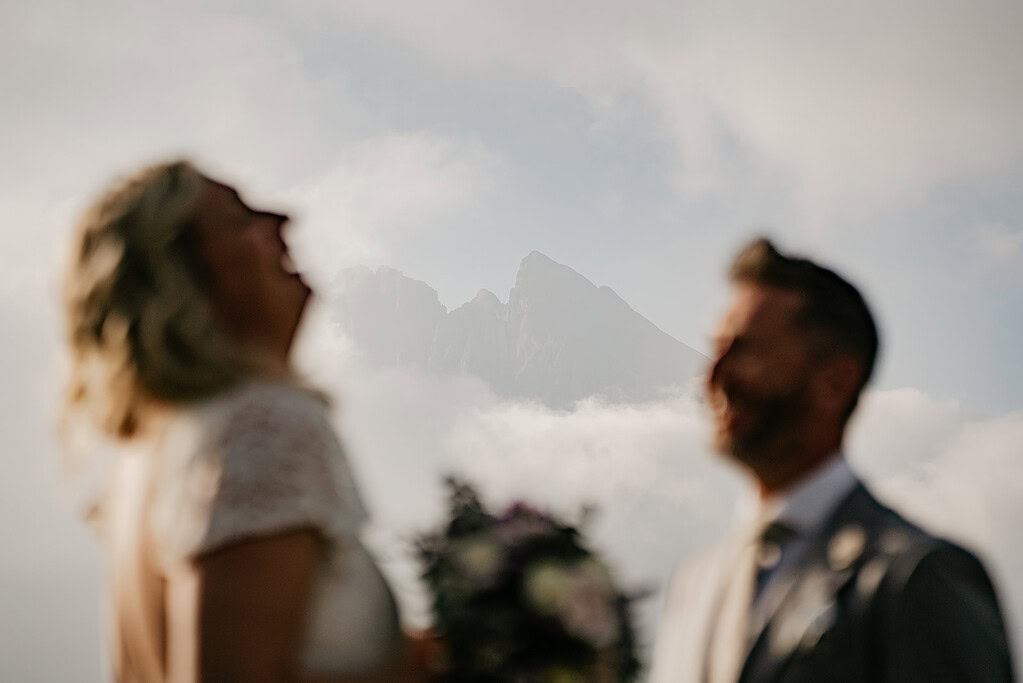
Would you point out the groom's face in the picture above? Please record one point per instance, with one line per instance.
(758, 386)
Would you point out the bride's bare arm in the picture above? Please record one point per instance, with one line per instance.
(252, 597)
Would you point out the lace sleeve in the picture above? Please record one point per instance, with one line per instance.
(263, 462)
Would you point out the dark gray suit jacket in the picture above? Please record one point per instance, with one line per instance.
(874, 598)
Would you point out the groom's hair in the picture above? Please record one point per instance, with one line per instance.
(832, 307)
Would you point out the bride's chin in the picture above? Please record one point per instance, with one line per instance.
(722, 442)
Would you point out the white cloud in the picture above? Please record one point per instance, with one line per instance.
(855, 105)
(902, 429)
(382, 187)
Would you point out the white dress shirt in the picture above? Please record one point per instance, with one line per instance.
(804, 507)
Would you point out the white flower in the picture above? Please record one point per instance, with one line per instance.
(547, 587)
(589, 612)
(581, 596)
(480, 560)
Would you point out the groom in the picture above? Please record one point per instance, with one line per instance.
(817, 581)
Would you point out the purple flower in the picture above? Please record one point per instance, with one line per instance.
(580, 595)
(524, 526)
(589, 612)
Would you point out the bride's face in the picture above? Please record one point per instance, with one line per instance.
(252, 284)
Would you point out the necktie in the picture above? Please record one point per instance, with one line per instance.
(758, 557)
(770, 554)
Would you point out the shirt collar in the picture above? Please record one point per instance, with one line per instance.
(804, 506)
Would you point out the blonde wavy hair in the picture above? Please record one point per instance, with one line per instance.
(142, 330)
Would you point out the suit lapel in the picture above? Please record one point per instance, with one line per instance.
(689, 617)
(772, 600)
(800, 606)
(708, 593)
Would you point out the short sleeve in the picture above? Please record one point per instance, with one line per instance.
(263, 461)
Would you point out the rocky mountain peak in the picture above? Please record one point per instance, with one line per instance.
(559, 339)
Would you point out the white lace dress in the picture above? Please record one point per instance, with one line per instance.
(256, 461)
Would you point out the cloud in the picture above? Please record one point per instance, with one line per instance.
(855, 106)
(382, 187)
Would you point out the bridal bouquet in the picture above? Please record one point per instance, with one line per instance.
(519, 597)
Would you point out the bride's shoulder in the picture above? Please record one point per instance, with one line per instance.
(262, 401)
(259, 419)
(250, 462)
(268, 391)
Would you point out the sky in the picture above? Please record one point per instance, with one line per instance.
(640, 144)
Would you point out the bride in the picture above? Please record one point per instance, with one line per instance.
(230, 520)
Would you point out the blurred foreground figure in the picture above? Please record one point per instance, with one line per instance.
(818, 581)
(230, 518)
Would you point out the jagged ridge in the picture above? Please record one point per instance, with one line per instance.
(558, 339)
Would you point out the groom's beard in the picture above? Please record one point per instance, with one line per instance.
(775, 424)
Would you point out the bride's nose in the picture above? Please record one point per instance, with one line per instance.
(277, 219)
(719, 366)
(273, 225)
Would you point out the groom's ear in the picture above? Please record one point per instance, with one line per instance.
(837, 380)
